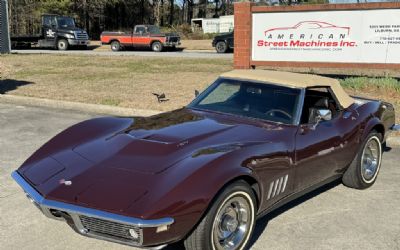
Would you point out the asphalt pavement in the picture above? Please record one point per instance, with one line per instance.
(181, 54)
(334, 217)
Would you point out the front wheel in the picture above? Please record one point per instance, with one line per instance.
(364, 169)
(229, 222)
(157, 47)
(62, 44)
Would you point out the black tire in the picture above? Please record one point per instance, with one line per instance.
(157, 46)
(355, 175)
(202, 238)
(62, 44)
(221, 47)
(115, 46)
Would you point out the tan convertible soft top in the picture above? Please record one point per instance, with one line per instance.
(293, 80)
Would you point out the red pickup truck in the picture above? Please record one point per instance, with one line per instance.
(142, 36)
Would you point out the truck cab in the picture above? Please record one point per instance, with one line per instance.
(56, 32)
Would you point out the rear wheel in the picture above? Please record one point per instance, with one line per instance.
(221, 47)
(364, 169)
(157, 46)
(62, 44)
(115, 46)
(229, 222)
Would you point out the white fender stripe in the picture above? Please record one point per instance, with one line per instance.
(270, 190)
(284, 183)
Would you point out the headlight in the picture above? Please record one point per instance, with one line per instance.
(69, 36)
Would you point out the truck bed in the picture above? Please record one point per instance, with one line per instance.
(25, 38)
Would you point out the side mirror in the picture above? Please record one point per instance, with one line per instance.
(322, 115)
(196, 93)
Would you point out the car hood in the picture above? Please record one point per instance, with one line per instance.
(70, 29)
(224, 36)
(129, 162)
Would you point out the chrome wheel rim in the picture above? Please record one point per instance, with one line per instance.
(114, 46)
(370, 159)
(61, 45)
(156, 47)
(232, 224)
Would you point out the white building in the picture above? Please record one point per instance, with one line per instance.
(222, 24)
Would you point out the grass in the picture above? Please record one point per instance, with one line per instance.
(126, 81)
(385, 88)
(130, 81)
(386, 84)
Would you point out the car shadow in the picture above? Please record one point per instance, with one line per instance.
(146, 49)
(262, 223)
(386, 148)
(8, 85)
(74, 48)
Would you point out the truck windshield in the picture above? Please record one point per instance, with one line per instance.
(154, 30)
(250, 99)
(65, 22)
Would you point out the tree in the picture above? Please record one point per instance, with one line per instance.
(171, 11)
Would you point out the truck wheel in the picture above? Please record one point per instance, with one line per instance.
(364, 169)
(229, 222)
(62, 44)
(221, 47)
(115, 46)
(157, 46)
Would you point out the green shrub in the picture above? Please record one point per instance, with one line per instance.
(383, 83)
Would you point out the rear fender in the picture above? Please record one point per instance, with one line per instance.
(373, 123)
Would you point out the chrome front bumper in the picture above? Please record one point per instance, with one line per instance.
(170, 44)
(76, 42)
(86, 221)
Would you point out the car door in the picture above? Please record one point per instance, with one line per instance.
(49, 29)
(318, 145)
(140, 36)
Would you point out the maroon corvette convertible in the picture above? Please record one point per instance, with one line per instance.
(253, 141)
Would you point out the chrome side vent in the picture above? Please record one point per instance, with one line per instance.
(277, 187)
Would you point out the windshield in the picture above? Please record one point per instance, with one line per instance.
(65, 22)
(254, 100)
(154, 30)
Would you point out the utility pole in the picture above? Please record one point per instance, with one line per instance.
(5, 45)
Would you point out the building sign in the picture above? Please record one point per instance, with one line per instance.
(351, 36)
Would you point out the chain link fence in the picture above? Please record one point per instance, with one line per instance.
(4, 28)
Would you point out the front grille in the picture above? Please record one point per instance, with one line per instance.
(110, 228)
(81, 35)
(173, 39)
